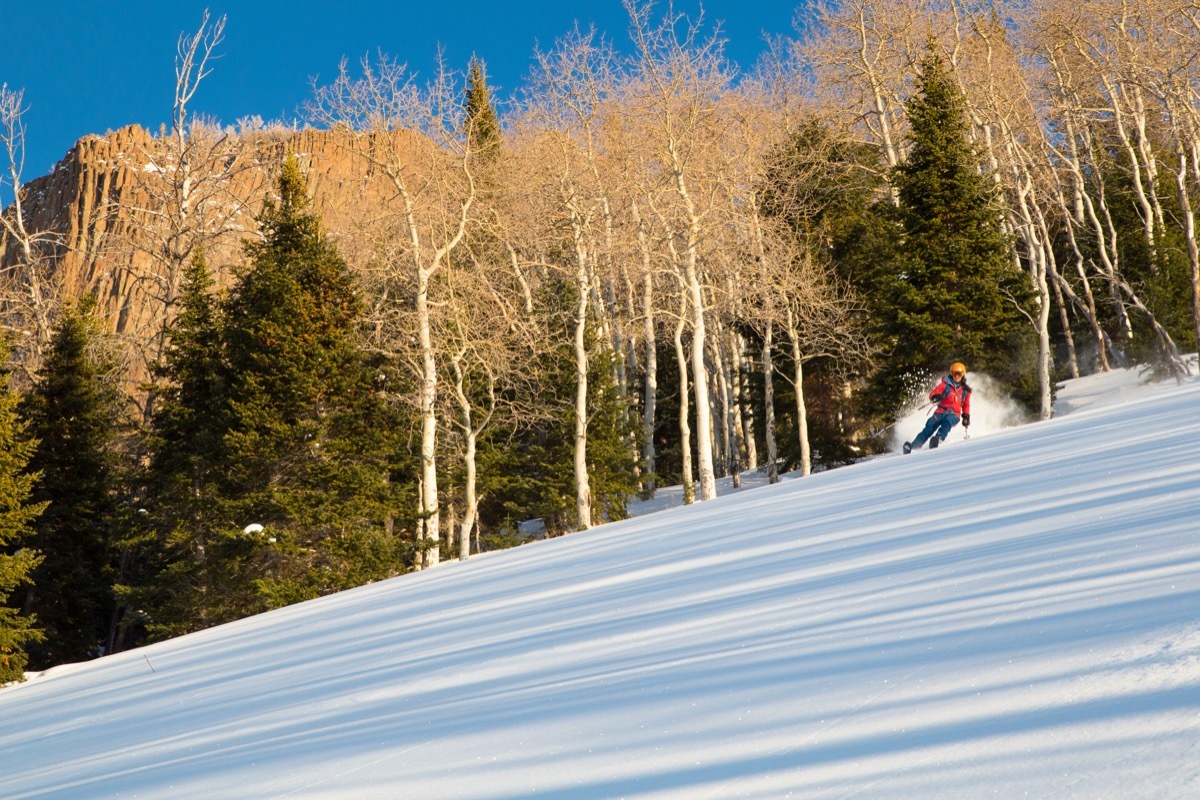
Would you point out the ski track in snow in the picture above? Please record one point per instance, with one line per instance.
(1009, 616)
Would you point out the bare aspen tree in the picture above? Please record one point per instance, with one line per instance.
(685, 428)
(861, 53)
(410, 137)
(188, 177)
(1172, 78)
(680, 86)
(483, 336)
(1097, 78)
(1002, 110)
(1076, 208)
(28, 289)
(650, 347)
(732, 447)
(570, 86)
(741, 398)
(768, 370)
(819, 323)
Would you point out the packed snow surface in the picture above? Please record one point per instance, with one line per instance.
(1017, 615)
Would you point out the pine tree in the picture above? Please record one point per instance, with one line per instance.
(192, 557)
(274, 449)
(483, 126)
(72, 412)
(17, 514)
(190, 418)
(952, 293)
(309, 447)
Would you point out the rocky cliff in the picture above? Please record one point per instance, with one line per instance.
(120, 211)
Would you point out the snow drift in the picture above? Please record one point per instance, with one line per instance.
(1015, 615)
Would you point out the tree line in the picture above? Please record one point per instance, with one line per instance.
(644, 268)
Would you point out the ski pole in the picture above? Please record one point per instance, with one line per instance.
(892, 425)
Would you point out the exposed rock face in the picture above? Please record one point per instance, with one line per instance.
(125, 215)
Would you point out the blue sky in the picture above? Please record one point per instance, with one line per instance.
(89, 68)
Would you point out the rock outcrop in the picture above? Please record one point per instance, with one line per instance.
(121, 213)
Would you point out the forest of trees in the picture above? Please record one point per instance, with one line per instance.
(645, 268)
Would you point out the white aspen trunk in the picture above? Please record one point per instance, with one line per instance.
(428, 409)
(685, 428)
(880, 105)
(704, 449)
(583, 490)
(419, 561)
(733, 370)
(1106, 243)
(526, 293)
(1189, 224)
(651, 388)
(769, 404)
(1036, 250)
(1064, 318)
(801, 409)
(704, 429)
(729, 446)
(1086, 304)
(1043, 329)
(743, 399)
(471, 498)
(1192, 252)
(451, 525)
(1146, 151)
(1135, 163)
(429, 369)
(618, 346)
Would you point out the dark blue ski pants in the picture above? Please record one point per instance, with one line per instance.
(940, 422)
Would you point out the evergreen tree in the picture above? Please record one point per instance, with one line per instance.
(191, 415)
(275, 450)
(72, 412)
(193, 557)
(483, 126)
(952, 291)
(309, 446)
(17, 514)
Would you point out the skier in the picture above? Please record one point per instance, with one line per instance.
(953, 397)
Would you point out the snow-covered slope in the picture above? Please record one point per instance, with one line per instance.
(1013, 616)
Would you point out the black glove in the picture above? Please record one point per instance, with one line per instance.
(966, 420)
(938, 397)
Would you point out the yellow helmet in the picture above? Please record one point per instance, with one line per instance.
(958, 370)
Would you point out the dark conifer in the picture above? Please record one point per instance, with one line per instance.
(17, 514)
(483, 126)
(307, 453)
(274, 447)
(953, 291)
(191, 558)
(72, 413)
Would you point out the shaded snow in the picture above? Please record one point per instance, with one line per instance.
(1011, 616)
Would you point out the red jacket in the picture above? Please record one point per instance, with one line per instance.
(952, 397)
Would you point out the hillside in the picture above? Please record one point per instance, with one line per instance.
(1010, 616)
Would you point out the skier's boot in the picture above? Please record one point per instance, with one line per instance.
(907, 448)
(934, 442)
